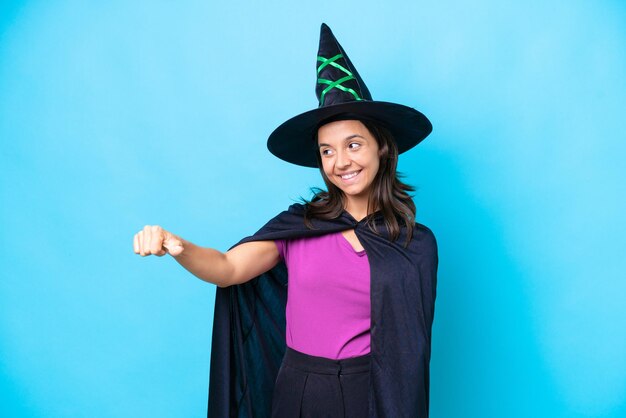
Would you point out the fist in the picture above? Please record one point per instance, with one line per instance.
(155, 240)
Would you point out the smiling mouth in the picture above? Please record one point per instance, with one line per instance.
(350, 175)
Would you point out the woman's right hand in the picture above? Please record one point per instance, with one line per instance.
(153, 239)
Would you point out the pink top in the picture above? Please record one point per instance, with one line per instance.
(328, 296)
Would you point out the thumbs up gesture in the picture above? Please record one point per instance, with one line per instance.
(153, 239)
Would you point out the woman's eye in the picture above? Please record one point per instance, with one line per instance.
(356, 145)
(326, 152)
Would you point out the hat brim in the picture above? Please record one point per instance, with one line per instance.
(293, 141)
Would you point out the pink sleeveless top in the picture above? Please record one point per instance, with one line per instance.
(328, 296)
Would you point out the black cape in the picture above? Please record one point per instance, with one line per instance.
(249, 323)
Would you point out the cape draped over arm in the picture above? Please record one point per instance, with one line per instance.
(249, 323)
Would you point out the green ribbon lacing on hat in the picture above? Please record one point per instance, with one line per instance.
(337, 83)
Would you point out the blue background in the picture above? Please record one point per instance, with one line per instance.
(157, 112)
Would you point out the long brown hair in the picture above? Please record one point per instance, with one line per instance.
(388, 194)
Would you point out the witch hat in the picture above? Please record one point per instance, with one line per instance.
(342, 94)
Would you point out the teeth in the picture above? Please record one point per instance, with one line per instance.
(349, 176)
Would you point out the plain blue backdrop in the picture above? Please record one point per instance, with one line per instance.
(118, 115)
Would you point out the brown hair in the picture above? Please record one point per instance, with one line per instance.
(387, 194)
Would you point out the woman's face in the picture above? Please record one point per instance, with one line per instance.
(349, 155)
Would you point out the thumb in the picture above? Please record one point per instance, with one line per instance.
(173, 244)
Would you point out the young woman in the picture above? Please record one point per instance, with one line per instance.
(327, 310)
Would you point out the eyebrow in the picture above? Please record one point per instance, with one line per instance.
(345, 139)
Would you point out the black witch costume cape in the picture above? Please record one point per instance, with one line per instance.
(249, 323)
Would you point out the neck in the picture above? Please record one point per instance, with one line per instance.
(356, 206)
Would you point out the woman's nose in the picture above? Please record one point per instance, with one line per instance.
(343, 159)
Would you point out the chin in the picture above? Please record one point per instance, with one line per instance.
(352, 193)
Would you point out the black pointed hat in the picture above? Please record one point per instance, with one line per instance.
(342, 94)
